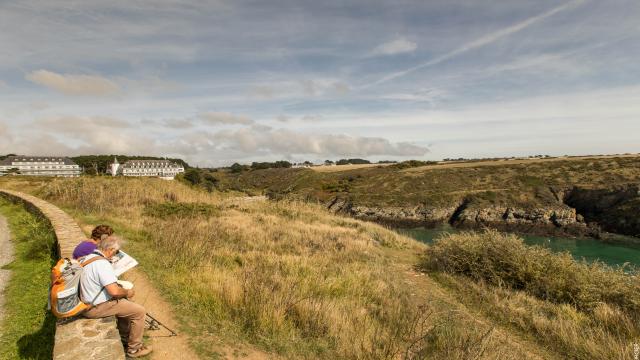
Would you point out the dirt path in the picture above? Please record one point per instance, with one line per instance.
(164, 345)
(6, 256)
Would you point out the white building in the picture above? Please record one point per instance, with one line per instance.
(165, 169)
(39, 166)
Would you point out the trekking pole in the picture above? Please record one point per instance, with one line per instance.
(154, 324)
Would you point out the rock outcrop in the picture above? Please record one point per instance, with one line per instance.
(615, 209)
(558, 219)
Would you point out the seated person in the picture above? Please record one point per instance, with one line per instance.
(87, 247)
(98, 288)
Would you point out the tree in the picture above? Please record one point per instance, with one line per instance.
(193, 176)
(236, 168)
(328, 162)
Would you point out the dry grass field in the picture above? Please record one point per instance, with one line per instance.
(294, 280)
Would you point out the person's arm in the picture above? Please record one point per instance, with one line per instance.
(108, 279)
(118, 292)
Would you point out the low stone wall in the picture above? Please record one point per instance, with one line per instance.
(75, 338)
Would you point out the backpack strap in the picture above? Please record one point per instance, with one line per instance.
(95, 258)
(84, 264)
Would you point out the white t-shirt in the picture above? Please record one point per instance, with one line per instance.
(94, 278)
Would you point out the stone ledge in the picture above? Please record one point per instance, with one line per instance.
(77, 338)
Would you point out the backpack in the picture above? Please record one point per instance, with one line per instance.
(64, 295)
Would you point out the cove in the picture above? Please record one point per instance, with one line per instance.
(587, 249)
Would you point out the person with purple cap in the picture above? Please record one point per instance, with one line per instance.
(88, 246)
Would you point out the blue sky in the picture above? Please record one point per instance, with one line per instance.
(216, 82)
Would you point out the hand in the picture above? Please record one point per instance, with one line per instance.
(130, 293)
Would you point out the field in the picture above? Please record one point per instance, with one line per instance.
(526, 183)
(291, 279)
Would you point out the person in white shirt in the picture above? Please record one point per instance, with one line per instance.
(98, 288)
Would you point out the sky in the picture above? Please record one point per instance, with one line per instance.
(217, 82)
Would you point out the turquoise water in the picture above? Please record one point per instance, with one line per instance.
(588, 249)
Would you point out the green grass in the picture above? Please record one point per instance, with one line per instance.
(28, 327)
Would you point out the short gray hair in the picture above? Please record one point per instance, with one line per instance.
(111, 242)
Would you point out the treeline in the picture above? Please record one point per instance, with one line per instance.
(413, 163)
(282, 164)
(352, 162)
(98, 164)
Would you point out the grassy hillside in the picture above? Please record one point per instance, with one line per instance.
(298, 282)
(523, 184)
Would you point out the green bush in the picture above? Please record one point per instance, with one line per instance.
(505, 261)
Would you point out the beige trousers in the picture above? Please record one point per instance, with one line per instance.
(130, 319)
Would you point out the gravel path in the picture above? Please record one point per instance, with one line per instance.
(6, 256)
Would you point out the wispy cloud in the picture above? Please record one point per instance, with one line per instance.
(478, 43)
(222, 118)
(281, 142)
(394, 47)
(74, 84)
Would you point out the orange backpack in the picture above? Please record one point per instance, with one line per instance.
(64, 295)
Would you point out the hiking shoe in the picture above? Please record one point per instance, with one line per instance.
(143, 351)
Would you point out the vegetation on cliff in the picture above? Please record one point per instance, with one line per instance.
(518, 192)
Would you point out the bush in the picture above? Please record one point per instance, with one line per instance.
(504, 260)
(237, 168)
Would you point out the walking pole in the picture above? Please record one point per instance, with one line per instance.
(154, 324)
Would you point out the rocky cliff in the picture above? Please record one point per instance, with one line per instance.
(577, 212)
(616, 209)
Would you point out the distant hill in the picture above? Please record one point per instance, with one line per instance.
(98, 164)
(544, 196)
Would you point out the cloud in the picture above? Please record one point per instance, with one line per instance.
(319, 87)
(178, 123)
(283, 118)
(222, 118)
(284, 142)
(79, 124)
(480, 42)
(397, 46)
(428, 95)
(264, 91)
(72, 84)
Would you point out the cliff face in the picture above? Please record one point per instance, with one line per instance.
(577, 212)
(615, 209)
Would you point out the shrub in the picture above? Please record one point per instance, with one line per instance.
(504, 260)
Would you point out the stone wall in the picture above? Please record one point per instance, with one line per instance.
(75, 338)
